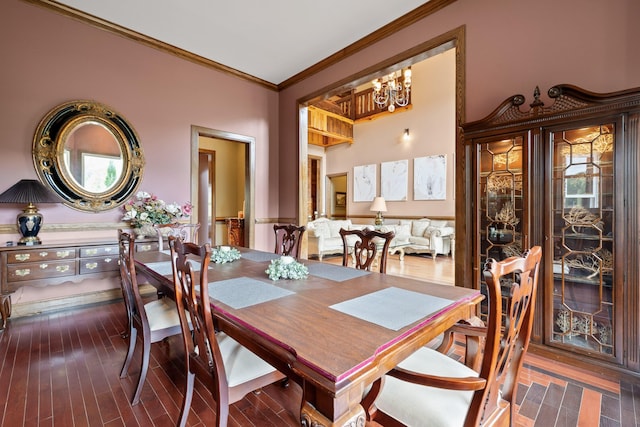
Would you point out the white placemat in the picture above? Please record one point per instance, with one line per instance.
(243, 292)
(164, 267)
(337, 273)
(258, 256)
(392, 308)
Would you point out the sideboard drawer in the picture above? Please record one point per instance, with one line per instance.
(147, 246)
(36, 255)
(41, 270)
(99, 251)
(98, 264)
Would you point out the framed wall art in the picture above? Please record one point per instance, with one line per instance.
(364, 183)
(394, 180)
(430, 177)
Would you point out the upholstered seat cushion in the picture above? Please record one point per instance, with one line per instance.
(416, 405)
(162, 314)
(240, 364)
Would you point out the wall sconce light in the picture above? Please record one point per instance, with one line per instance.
(405, 134)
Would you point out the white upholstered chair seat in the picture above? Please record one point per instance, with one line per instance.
(240, 364)
(163, 314)
(417, 405)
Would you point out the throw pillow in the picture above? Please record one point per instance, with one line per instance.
(418, 227)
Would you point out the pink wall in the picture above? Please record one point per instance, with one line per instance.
(511, 46)
(48, 59)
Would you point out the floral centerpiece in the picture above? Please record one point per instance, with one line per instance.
(145, 210)
(224, 254)
(286, 267)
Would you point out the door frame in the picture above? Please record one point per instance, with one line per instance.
(249, 186)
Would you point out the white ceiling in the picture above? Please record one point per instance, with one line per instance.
(271, 40)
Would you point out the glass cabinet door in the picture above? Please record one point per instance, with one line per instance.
(582, 222)
(501, 197)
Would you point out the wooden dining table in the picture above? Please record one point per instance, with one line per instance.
(334, 332)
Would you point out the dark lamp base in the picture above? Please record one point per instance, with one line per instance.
(29, 241)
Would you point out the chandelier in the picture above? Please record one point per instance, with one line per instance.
(392, 90)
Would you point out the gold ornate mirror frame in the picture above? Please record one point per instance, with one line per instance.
(89, 155)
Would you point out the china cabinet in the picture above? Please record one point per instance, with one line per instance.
(563, 176)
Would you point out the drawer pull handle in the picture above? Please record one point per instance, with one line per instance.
(23, 257)
(63, 254)
(43, 266)
(62, 268)
(145, 248)
(108, 260)
(43, 254)
(92, 252)
(108, 249)
(91, 265)
(24, 272)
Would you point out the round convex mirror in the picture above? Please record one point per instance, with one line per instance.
(88, 154)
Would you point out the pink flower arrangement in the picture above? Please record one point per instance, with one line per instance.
(147, 209)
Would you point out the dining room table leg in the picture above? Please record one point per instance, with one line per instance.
(311, 417)
(320, 408)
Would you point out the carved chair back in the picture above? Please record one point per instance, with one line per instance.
(511, 285)
(288, 239)
(366, 247)
(207, 350)
(152, 322)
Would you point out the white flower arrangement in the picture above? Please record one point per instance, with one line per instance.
(286, 267)
(224, 254)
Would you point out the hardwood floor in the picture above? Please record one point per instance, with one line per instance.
(62, 369)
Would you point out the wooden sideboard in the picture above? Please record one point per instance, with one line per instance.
(52, 264)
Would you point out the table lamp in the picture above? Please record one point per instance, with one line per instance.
(29, 191)
(379, 206)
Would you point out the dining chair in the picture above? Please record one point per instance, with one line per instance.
(288, 239)
(431, 388)
(187, 232)
(228, 369)
(151, 322)
(365, 246)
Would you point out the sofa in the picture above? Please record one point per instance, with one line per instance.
(411, 236)
(432, 236)
(324, 236)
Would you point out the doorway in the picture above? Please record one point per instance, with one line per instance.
(222, 183)
(337, 196)
(452, 40)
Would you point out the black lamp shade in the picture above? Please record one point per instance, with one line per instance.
(28, 191)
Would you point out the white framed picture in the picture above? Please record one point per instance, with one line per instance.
(394, 180)
(364, 183)
(430, 177)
